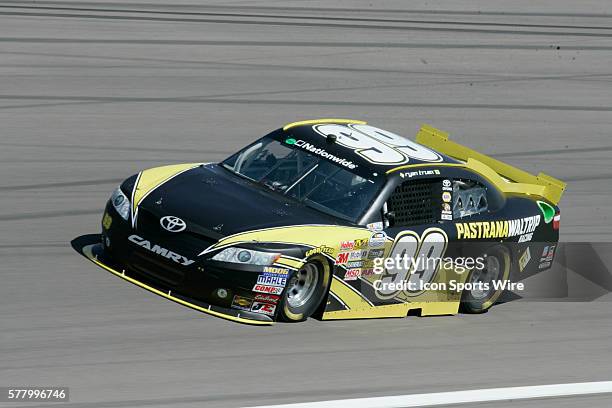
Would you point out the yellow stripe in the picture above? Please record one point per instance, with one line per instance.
(410, 166)
(89, 254)
(292, 263)
(395, 310)
(150, 179)
(347, 295)
(321, 121)
(311, 235)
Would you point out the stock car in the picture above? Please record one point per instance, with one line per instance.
(296, 224)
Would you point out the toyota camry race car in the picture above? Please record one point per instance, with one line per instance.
(303, 222)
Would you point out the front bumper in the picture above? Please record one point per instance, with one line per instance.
(96, 254)
(220, 285)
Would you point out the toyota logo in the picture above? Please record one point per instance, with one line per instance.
(172, 223)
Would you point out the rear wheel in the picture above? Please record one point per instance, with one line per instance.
(481, 294)
(305, 291)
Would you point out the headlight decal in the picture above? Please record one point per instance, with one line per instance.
(121, 203)
(246, 256)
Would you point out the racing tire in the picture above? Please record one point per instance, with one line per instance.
(496, 267)
(305, 291)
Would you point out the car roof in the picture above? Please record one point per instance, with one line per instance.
(360, 147)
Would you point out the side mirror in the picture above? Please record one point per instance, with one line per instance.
(390, 218)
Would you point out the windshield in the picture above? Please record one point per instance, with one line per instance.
(309, 179)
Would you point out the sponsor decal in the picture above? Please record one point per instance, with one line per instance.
(276, 270)
(361, 243)
(447, 185)
(354, 264)
(375, 226)
(342, 258)
(524, 259)
(411, 174)
(377, 240)
(544, 265)
(497, 229)
(319, 151)
(547, 256)
(556, 221)
(367, 272)
(352, 274)
(161, 251)
(267, 298)
(107, 220)
(548, 253)
(447, 198)
(344, 245)
(272, 290)
(548, 211)
(320, 250)
(242, 303)
(375, 253)
(525, 237)
(357, 255)
(263, 308)
(272, 279)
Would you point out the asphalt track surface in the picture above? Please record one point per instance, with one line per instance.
(92, 92)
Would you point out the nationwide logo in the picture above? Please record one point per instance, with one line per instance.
(302, 144)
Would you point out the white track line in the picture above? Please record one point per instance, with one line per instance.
(462, 397)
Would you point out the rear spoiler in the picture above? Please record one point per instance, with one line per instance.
(494, 170)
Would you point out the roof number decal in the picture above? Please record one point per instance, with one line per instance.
(376, 145)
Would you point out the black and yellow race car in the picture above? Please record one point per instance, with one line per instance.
(300, 222)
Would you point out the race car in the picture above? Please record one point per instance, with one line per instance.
(302, 222)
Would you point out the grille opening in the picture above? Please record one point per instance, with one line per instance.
(416, 202)
(144, 264)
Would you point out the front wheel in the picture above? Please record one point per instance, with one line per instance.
(481, 293)
(305, 291)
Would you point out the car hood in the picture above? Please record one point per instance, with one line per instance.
(210, 198)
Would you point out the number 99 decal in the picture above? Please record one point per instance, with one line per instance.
(420, 262)
(376, 145)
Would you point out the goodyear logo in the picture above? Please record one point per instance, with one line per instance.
(497, 229)
(320, 250)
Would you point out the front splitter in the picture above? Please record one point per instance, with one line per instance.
(94, 253)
